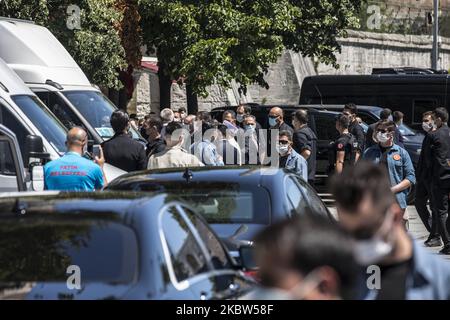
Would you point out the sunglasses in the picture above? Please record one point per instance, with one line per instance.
(283, 142)
(273, 117)
(382, 130)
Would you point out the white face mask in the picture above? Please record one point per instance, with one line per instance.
(374, 250)
(382, 137)
(239, 118)
(427, 126)
(283, 149)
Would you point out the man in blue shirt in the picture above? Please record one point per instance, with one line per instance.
(290, 159)
(395, 159)
(72, 172)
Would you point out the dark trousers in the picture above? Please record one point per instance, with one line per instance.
(423, 194)
(440, 202)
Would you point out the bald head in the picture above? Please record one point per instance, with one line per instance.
(277, 114)
(76, 139)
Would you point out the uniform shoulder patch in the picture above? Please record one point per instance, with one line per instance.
(340, 145)
(396, 157)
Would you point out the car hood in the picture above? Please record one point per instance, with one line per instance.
(416, 139)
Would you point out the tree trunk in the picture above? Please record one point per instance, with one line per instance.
(192, 101)
(165, 84)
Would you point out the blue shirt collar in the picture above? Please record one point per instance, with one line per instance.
(72, 153)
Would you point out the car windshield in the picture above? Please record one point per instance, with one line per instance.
(50, 127)
(219, 202)
(97, 110)
(41, 249)
(403, 128)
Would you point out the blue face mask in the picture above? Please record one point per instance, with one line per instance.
(249, 127)
(272, 122)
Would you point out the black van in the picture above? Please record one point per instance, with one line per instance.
(412, 94)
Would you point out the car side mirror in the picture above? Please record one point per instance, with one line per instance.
(247, 258)
(34, 148)
(37, 178)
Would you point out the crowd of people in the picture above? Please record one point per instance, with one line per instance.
(178, 139)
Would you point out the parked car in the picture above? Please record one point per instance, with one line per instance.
(408, 91)
(110, 245)
(370, 114)
(236, 201)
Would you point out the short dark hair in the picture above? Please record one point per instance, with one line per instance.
(343, 121)
(119, 121)
(356, 182)
(385, 113)
(351, 107)
(285, 133)
(182, 109)
(155, 121)
(307, 242)
(223, 129)
(441, 113)
(206, 125)
(301, 116)
(386, 124)
(247, 109)
(427, 114)
(133, 116)
(233, 114)
(397, 116)
(172, 127)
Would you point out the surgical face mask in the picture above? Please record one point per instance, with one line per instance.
(383, 137)
(272, 122)
(249, 127)
(282, 149)
(374, 250)
(239, 118)
(427, 126)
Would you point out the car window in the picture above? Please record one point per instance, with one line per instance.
(315, 203)
(50, 128)
(60, 109)
(186, 256)
(217, 202)
(219, 258)
(325, 127)
(295, 197)
(367, 118)
(7, 166)
(11, 122)
(41, 249)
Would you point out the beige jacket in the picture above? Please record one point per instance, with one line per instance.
(173, 157)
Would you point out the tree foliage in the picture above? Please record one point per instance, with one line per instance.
(216, 41)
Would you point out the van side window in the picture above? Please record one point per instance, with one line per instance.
(421, 106)
(325, 127)
(186, 256)
(10, 121)
(59, 108)
(7, 167)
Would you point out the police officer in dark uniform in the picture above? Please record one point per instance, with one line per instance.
(355, 128)
(305, 141)
(345, 146)
(440, 185)
(121, 150)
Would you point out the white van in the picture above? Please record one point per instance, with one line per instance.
(36, 129)
(50, 72)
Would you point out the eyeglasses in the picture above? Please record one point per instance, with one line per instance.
(382, 130)
(283, 142)
(273, 117)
